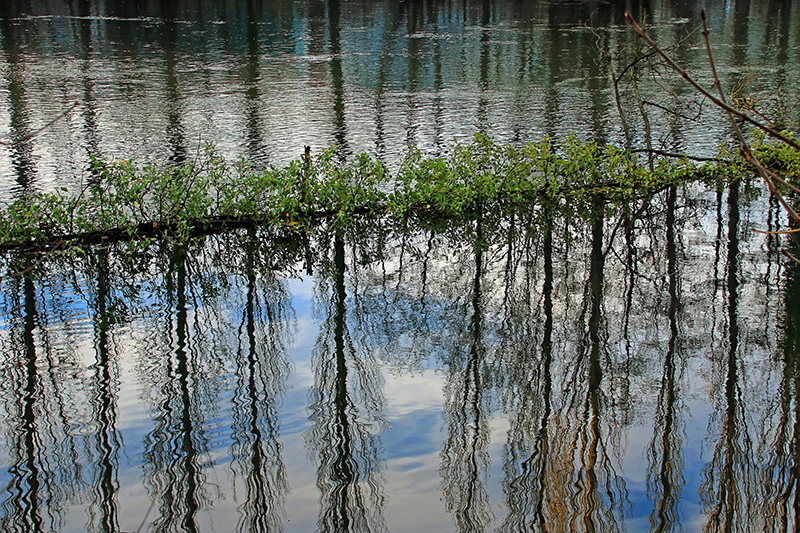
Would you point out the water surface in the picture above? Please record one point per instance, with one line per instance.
(629, 371)
(262, 79)
(584, 367)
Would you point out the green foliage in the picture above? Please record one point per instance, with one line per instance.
(125, 201)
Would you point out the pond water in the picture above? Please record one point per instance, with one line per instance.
(261, 79)
(619, 372)
(623, 368)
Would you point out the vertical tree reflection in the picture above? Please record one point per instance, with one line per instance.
(174, 446)
(598, 492)
(527, 463)
(782, 472)
(175, 129)
(728, 477)
(337, 76)
(262, 367)
(29, 489)
(38, 395)
(20, 129)
(346, 414)
(104, 407)
(252, 80)
(665, 455)
(465, 457)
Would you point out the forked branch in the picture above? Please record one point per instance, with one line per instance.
(768, 176)
(743, 116)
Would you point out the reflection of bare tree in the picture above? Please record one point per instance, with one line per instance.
(531, 386)
(465, 458)
(593, 494)
(104, 406)
(728, 478)
(665, 457)
(262, 367)
(346, 412)
(174, 448)
(40, 395)
(21, 144)
(782, 471)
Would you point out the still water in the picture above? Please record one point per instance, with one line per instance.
(633, 369)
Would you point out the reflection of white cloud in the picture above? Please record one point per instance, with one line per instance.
(411, 485)
(405, 394)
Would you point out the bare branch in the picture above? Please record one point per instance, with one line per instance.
(743, 116)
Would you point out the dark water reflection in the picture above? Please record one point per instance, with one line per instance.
(262, 78)
(633, 370)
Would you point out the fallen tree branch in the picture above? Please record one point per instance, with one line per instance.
(745, 150)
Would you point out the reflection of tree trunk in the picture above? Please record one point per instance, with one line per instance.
(591, 413)
(527, 482)
(89, 104)
(483, 103)
(782, 472)
(258, 452)
(464, 457)
(666, 481)
(186, 427)
(252, 93)
(337, 77)
(415, 53)
(175, 129)
(383, 78)
(19, 127)
(345, 476)
(172, 455)
(728, 470)
(542, 441)
(29, 498)
(105, 408)
(43, 460)
(351, 498)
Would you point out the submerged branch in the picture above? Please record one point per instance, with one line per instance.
(125, 202)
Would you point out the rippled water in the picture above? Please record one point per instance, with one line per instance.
(261, 79)
(623, 372)
(633, 369)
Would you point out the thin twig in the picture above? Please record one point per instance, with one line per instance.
(790, 256)
(746, 152)
(743, 116)
(40, 130)
(782, 232)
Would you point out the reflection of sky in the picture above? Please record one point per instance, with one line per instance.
(411, 444)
